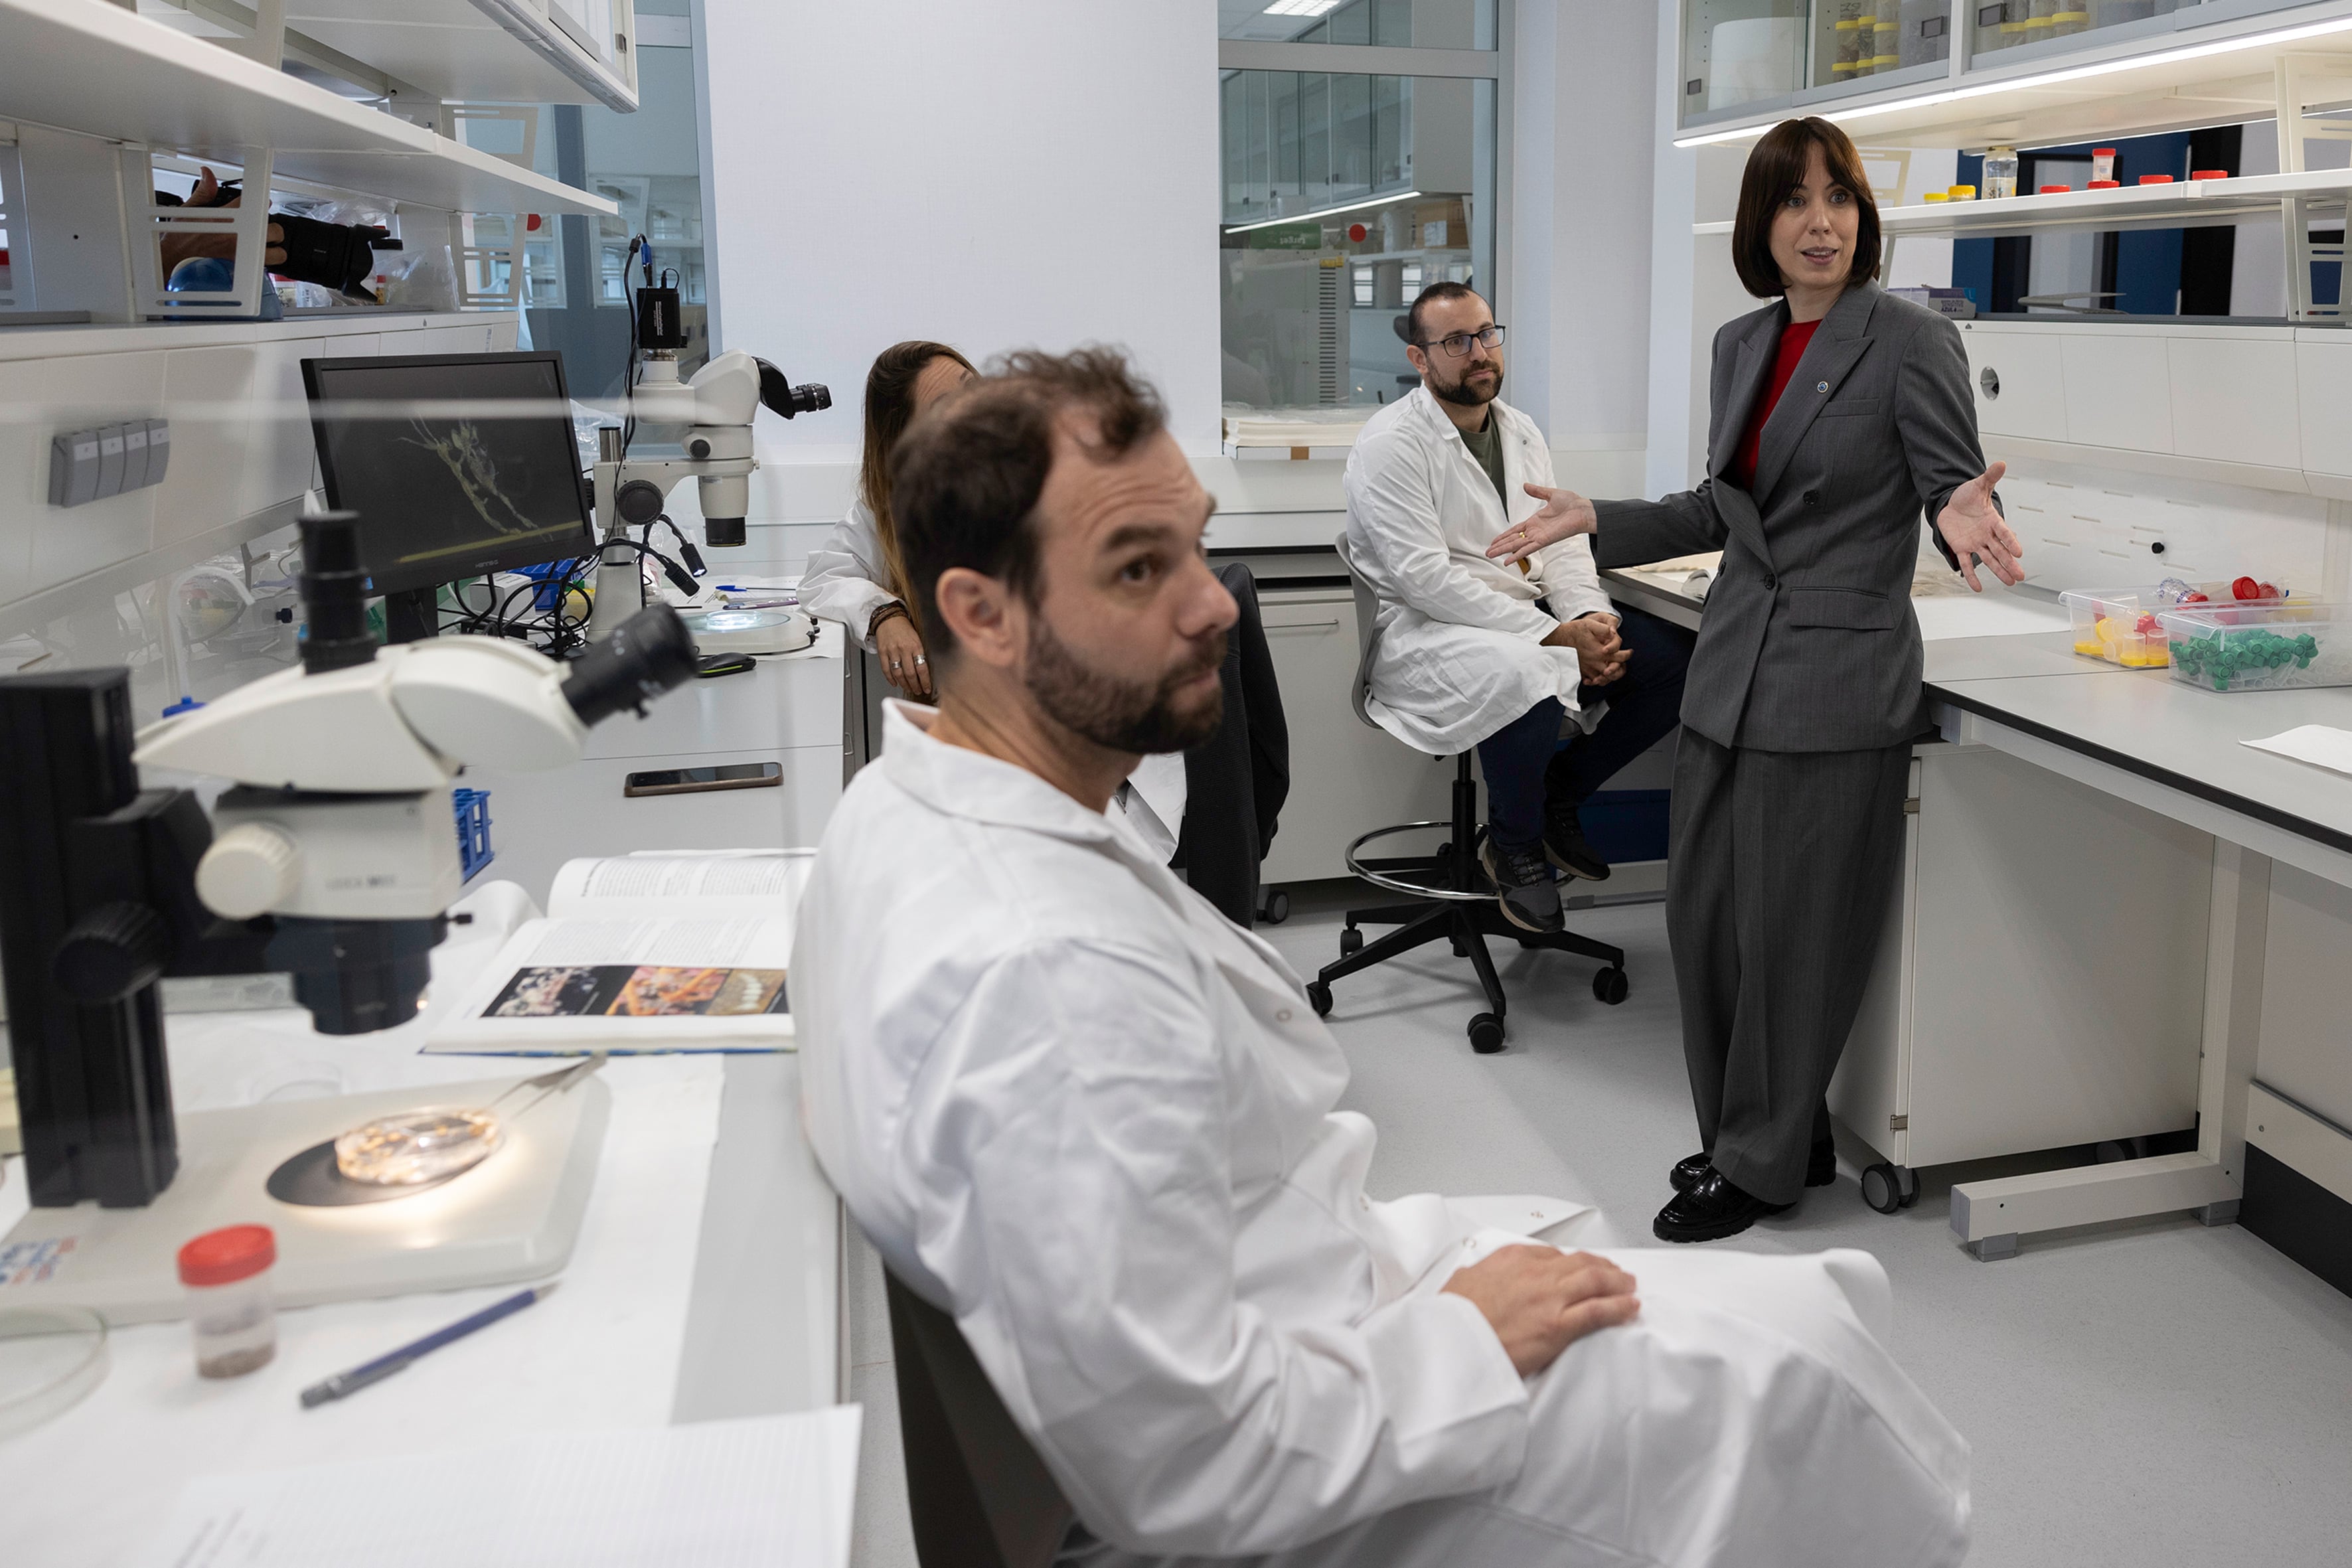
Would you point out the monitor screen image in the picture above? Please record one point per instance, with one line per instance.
(459, 465)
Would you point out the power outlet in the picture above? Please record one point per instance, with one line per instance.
(91, 465)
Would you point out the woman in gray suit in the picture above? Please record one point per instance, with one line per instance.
(1839, 415)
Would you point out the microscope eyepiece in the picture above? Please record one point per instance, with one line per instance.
(334, 593)
(646, 655)
(786, 399)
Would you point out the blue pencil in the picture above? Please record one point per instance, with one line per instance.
(384, 1366)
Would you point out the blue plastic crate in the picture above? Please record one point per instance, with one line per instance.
(474, 850)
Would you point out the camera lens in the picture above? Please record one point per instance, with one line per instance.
(646, 655)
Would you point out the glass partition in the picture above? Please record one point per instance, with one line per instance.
(2001, 25)
(1739, 53)
(1343, 196)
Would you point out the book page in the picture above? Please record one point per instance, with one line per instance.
(771, 1491)
(761, 882)
(621, 984)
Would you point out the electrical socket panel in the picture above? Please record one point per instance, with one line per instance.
(91, 465)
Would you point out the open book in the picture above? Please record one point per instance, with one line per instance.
(642, 953)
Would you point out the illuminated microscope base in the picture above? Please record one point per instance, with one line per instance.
(513, 1217)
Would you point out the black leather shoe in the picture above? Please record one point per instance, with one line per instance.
(1711, 1211)
(1820, 1171)
(1564, 844)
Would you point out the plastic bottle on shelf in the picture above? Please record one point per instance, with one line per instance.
(2072, 17)
(2102, 164)
(2001, 174)
(1886, 32)
(2042, 21)
(1865, 36)
(1961, 194)
(1848, 51)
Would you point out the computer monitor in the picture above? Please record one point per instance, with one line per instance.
(446, 483)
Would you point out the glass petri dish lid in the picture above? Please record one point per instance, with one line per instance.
(50, 1356)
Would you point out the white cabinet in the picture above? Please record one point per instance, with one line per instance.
(2041, 981)
(2322, 366)
(474, 51)
(1346, 777)
(2019, 382)
(2118, 390)
(2234, 399)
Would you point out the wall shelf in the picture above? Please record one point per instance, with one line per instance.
(2220, 72)
(2185, 203)
(92, 67)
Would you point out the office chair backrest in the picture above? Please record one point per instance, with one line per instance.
(977, 1494)
(1368, 609)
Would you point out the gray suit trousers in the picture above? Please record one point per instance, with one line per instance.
(1781, 869)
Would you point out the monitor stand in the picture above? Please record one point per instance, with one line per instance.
(412, 615)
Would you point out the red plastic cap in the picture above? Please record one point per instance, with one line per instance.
(2056, 190)
(2103, 151)
(2156, 179)
(2209, 173)
(1357, 232)
(227, 1256)
(2103, 186)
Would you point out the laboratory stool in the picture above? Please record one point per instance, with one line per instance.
(1449, 896)
(977, 1494)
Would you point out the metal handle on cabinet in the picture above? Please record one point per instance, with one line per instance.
(1330, 625)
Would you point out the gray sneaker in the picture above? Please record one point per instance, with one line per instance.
(1523, 885)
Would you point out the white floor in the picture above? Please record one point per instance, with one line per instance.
(2152, 1395)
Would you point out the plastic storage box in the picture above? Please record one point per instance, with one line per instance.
(2120, 625)
(2259, 647)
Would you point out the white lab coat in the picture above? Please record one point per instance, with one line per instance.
(1082, 1111)
(1461, 651)
(844, 582)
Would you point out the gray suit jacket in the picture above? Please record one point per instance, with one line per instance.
(1809, 643)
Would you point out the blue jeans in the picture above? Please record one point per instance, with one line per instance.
(1526, 760)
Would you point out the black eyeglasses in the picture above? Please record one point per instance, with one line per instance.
(1458, 343)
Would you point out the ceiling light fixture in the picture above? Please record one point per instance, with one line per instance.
(1301, 7)
(1321, 212)
(2048, 78)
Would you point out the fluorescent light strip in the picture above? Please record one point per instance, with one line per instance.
(1301, 7)
(1322, 212)
(2048, 78)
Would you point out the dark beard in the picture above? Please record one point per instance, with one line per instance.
(1464, 395)
(1116, 715)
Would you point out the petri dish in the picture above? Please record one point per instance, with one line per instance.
(50, 1356)
(428, 1145)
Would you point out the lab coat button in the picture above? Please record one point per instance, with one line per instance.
(1812, 498)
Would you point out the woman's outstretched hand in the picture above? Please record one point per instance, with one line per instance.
(1974, 530)
(1565, 515)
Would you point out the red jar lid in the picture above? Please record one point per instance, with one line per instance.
(2156, 179)
(2056, 190)
(2209, 173)
(2103, 186)
(227, 1256)
(2103, 151)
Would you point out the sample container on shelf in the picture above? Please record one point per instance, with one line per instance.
(2001, 174)
(2102, 164)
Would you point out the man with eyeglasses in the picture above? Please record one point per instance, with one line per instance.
(1555, 686)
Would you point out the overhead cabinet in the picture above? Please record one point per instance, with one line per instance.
(489, 51)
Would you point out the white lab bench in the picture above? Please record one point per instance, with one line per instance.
(706, 1284)
(2117, 921)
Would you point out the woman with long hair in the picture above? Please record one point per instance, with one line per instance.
(1839, 416)
(856, 577)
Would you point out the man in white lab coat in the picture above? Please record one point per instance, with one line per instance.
(1091, 1118)
(1473, 652)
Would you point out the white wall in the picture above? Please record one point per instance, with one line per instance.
(1586, 107)
(994, 176)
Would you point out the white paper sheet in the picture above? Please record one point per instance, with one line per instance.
(2315, 743)
(770, 1491)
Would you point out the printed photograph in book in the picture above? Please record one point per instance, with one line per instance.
(638, 991)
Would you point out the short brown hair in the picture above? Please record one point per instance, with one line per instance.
(1775, 168)
(966, 477)
(1440, 290)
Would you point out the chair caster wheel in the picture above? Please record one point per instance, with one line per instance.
(1318, 996)
(1350, 941)
(1610, 985)
(1888, 1188)
(1277, 908)
(1485, 1034)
